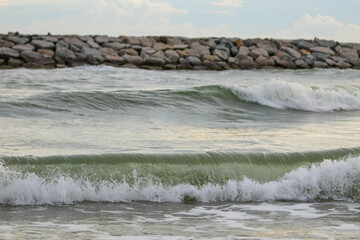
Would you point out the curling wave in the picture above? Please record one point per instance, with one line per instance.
(326, 180)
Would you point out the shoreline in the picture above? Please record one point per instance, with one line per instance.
(174, 53)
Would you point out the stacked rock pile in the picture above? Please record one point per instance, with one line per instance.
(162, 52)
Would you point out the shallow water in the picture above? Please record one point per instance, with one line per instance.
(108, 153)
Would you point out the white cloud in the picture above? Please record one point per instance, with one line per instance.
(228, 3)
(324, 27)
(120, 17)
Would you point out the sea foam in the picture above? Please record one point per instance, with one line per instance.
(293, 95)
(328, 180)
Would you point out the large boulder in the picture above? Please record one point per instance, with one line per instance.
(194, 61)
(162, 46)
(128, 51)
(349, 54)
(136, 60)
(146, 52)
(17, 40)
(26, 47)
(292, 52)
(172, 56)
(6, 53)
(117, 45)
(75, 42)
(43, 44)
(256, 52)
(15, 62)
(223, 55)
(200, 49)
(92, 43)
(37, 58)
(155, 61)
(324, 50)
(7, 44)
(65, 54)
(102, 39)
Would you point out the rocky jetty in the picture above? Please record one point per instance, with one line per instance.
(170, 53)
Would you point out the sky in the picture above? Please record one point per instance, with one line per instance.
(284, 19)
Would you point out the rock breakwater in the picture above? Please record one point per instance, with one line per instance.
(170, 53)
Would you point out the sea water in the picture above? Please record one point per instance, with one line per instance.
(110, 153)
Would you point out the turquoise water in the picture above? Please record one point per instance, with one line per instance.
(109, 153)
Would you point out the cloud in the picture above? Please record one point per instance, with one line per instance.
(119, 17)
(325, 27)
(228, 3)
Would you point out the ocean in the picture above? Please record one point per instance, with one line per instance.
(112, 153)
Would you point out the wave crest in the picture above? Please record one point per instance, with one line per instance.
(329, 180)
(290, 95)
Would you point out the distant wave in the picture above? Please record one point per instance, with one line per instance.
(324, 180)
(290, 95)
(274, 94)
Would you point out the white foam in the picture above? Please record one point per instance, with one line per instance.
(330, 180)
(293, 95)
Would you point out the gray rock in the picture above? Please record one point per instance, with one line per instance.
(92, 43)
(194, 61)
(319, 64)
(17, 40)
(324, 50)
(292, 52)
(199, 49)
(7, 44)
(172, 56)
(221, 54)
(95, 59)
(108, 51)
(26, 47)
(212, 65)
(309, 59)
(251, 42)
(62, 44)
(65, 53)
(90, 51)
(50, 39)
(282, 55)
(15, 62)
(146, 52)
(255, 53)
(162, 46)
(155, 61)
(284, 63)
(234, 51)
(349, 54)
(43, 44)
(211, 58)
(243, 51)
(102, 39)
(300, 63)
(146, 42)
(2, 61)
(224, 65)
(159, 54)
(128, 51)
(75, 48)
(270, 47)
(170, 67)
(133, 40)
(245, 62)
(6, 53)
(180, 46)
(46, 51)
(136, 60)
(116, 45)
(75, 42)
(115, 39)
(262, 61)
(320, 56)
(330, 62)
(303, 44)
(174, 41)
(115, 59)
(37, 58)
(84, 38)
(137, 48)
(326, 43)
(343, 65)
(184, 64)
